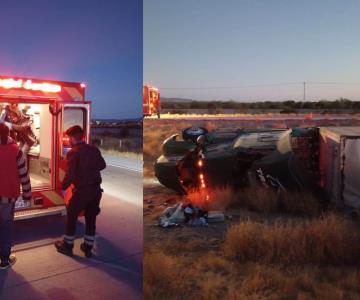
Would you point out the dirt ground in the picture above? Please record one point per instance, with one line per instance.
(156, 199)
(202, 263)
(258, 252)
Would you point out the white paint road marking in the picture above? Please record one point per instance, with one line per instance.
(124, 167)
(130, 164)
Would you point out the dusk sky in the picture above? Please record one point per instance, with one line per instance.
(239, 43)
(92, 41)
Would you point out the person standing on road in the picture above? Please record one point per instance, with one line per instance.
(13, 173)
(84, 165)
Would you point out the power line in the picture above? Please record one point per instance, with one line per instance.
(334, 83)
(262, 85)
(229, 87)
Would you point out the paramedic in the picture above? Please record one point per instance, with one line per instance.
(83, 173)
(13, 173)
(20, 126)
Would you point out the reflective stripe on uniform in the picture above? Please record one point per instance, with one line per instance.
(69, 239)
(89, 240)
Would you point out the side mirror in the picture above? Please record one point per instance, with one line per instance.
(201, 140)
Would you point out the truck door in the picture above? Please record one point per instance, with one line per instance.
(72, 114)
(351, 169)
(146, 101)
(155, 102)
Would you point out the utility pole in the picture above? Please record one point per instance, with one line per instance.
(304, 95)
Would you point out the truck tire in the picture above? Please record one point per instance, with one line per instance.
(192, 133)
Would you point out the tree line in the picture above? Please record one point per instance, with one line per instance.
(289, 105)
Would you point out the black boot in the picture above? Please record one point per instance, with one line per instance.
(5, 264)
(87, 249)
(64, 248)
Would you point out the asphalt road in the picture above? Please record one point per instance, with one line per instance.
(127, 163)
(115, 272)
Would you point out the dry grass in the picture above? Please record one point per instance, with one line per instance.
(189, 114)
(159, 273)
(259, 199)
(291, 258)
(215, 277)
(300, 204)
(267, 200)
(330, 239)
(188, 263)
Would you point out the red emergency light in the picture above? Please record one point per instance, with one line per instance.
(66, 140)
(28, 84)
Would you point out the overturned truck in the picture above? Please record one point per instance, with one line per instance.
(325, 161)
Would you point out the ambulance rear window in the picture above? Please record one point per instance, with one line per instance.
(74, 116)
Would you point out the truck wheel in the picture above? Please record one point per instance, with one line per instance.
(192, 133)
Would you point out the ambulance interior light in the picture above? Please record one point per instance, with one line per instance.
(66, 140)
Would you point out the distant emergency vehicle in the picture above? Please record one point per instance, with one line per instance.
(44, 110)
(151, 101)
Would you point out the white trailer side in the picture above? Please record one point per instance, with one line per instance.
(340, 165)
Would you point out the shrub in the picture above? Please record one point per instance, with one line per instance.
(258, 199)
(159, 274)
(330, 239)
(300, 203)
(267, 200)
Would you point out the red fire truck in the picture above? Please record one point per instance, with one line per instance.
(151, 101)
(44, 109)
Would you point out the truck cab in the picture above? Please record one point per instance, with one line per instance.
(151, 101)
(43, 110)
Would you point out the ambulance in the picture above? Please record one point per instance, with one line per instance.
(151, 101)
(39, 113)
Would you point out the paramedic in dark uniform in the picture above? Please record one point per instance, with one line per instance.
(83, 172)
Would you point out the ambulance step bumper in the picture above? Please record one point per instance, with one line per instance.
(39, 212)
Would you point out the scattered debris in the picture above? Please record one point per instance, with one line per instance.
(172, 216)
(216, 216)
(190, 215)
(198, 222)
